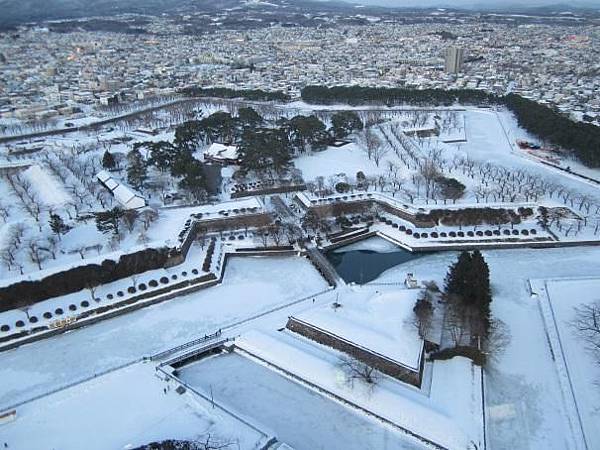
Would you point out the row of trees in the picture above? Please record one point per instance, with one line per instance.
(246, 94)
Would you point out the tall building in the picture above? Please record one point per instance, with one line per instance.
(454, 59)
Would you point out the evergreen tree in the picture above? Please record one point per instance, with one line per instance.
(194, 179)
(137, 171)
(162, 154)
(109, 221)
(468, 292)
(345, 122)
(248, 117)
(58, 225)
(108, 160)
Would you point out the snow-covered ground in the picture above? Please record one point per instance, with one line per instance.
(123, 409)
(298, 416)
(251, 285)
(559, 299)
(348, 159)
(379, 322)
(523, 395)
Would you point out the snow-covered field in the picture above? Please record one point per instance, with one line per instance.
(251, 285)
(123, 409)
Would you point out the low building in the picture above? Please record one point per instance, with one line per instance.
(127, 197)
(222, 154)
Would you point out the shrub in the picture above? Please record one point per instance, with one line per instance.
(47, 315)
(4, 328)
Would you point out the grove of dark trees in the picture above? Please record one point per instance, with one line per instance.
(28, 292)
(246, 94)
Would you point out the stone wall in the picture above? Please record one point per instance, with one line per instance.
(384, 365)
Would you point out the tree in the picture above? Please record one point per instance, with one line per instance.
(189, 135)
(108, 221)
(248, 117)
(311, 221)
(129, 218)
(468, 293)
(264, 150)
(586, 324)
(345, 122)
(357, 370)
(451, 188)
(108, 160)
(36, 253)
(162, 155)
(194, 179)
(137, 171)
(306, 132)
(57, 225)
(423, 317)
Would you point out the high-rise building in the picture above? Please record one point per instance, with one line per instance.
(454, 59)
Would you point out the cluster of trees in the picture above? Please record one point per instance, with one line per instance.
(468, 297)
(475, 216)
(583, 139)
(359, 95)
(112, 221)
(246, 94)
(265, 151)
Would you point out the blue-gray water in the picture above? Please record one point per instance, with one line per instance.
(362, 266)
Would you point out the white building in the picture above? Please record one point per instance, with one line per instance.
(127, 197)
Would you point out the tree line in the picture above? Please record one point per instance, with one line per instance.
(246, 94)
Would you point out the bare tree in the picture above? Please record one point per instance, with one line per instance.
(357, 370)
(587, 326)
(496, 339)
(36, 253)
(423, 314)
(378, 153)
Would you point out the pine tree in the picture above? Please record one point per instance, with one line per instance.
(109, 221)
(137, 171)
(108, 160)
(58, 225)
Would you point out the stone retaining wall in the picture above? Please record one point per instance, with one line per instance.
(387, 366)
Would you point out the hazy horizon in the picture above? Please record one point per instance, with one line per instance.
(475, 3)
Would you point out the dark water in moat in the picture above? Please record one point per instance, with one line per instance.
(362, 266)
